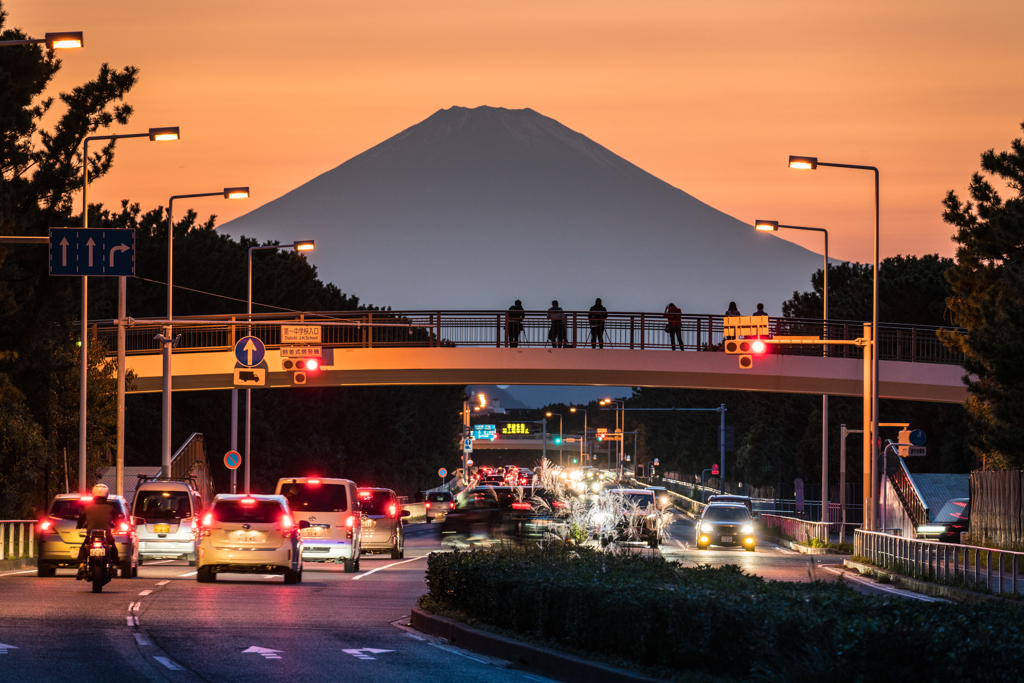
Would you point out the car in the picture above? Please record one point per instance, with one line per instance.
(725, 524)
(250, 534)
(166, 516)
(735, 500)
(438, 504)
(628, 515)
(382, 527)
(953, 518)
(331, 506)
(661, 494)
(59, 537)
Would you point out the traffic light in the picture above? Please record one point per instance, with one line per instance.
(904, 437)
(574, 461)
(746, 349)
(558, 440)
(301, 367)
(714, 470)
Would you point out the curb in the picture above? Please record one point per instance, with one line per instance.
(524, 656)
(11, 565)
(805, 549)
(935, 590)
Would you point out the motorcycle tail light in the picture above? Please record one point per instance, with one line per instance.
(97, 543)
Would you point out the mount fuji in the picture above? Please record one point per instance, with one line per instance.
(474, 208)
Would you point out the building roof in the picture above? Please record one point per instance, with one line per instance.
(936, 489)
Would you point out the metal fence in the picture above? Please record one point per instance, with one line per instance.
(17, 538)
(800, 530)
(619, 330)
(997, 508)
(990, 569)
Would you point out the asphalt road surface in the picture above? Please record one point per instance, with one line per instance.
(164, 626)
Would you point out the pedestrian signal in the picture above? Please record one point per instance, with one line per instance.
(714, 470)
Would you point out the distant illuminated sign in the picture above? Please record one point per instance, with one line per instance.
(515, 428)
(484, 432)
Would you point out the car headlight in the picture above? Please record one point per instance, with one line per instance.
(748, 529)
(930, 529)
(706, 528)
(601, 517)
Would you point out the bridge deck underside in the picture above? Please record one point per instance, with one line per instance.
(194, 371)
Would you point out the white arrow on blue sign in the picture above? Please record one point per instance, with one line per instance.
(92, 251)
(249, 351)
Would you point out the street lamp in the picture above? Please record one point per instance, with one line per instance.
(64, 40)
(549, 414)
(622, 444)
(870, 451)
(154, 134)
(774, 226)
(299, 245)
(167, 339)
(573, 409)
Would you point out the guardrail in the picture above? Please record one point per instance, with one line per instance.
(619, 330)
(947, 563)
(13, 543)
(799, 529)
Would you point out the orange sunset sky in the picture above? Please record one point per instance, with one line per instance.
(709, 96)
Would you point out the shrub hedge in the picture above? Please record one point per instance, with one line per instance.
(724, 623)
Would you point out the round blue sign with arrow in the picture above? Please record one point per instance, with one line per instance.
(232, 460)
(917, 437)
(249, 351)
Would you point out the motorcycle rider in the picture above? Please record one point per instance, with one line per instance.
(101, 514)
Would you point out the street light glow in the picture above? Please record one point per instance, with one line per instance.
(547, 414)
(304, 245)
(236, 193)
(805, 163)
(166, 133)
(65, 40)
(572, 410)
(766, 226)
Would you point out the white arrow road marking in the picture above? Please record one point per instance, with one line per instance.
(134, 607)
(64, 251)
(365, 652)
(90, 244)
(123, 247)
(356, 578)
(5, 648)
(166, 661)
(265, 652)
(249, 348)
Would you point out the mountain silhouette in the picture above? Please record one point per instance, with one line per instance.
(474, 208)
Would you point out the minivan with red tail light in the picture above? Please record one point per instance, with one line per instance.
(438, 504)
(382, 522)
(250, 534)
(331, 507)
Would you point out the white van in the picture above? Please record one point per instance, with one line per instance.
(331, 506)
(166, 513)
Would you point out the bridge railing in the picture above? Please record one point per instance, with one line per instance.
(17, 538)
(497, 329)
(799, 529)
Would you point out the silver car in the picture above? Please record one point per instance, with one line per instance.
(166, 518)
(60, 538)
(381, 523)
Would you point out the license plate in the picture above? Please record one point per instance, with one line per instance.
(251, 537)
(726, 539)
(162, 528)
(97, 552)
(439, 514)
(311, 532)
(368, 523)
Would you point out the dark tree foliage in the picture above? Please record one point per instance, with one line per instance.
(988, 300)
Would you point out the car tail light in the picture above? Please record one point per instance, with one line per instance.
(451, 506)
(286, 522)
(46, 526)
(312, 481)
(248, 501)
(428, 506)
(123, 527)
(521, 506)
(391, 510)
(350, 521)
(559, 504)
(86, 499)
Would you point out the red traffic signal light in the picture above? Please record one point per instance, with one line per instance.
(301, 367)
(745, 346)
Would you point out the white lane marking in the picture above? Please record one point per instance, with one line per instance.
(133, 621)
(145, 592)
(882, 587)
(162, 583)
(29, 571)
(413, 635)
(141, 639)
(166, 661)
(356, 578)
(455, 652)
(189, 574)
(265, 652)
(271, 576)
(365, 652)
(134, 607)
(680, 544)
(160, 561)
(4, 648)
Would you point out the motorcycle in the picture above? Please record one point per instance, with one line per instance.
(102, 566)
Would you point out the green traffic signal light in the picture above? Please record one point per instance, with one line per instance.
(574, 461)
(558, 440)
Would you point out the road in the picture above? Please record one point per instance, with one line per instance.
(164, 626)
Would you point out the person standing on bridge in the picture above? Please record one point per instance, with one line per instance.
(674, 327)
(598, 314)
(733, 311)
(515, 323)
(556, 334)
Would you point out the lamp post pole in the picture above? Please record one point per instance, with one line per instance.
(154, 134)
(584, 441)
(772, 226)
(870, 444)
(301, 245)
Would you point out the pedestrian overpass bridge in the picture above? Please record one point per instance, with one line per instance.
(365, 348)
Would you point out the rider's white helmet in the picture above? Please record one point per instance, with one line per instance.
(100, 491)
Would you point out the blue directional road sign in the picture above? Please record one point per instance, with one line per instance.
(249, 351)
(917, 437)
(92, 251)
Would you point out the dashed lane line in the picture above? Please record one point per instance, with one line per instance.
(356, 578)
(189, 574)
(29, 571)
(163, 583)
(166, 661)
(133, 621)
(145, 592)
(141, 639)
